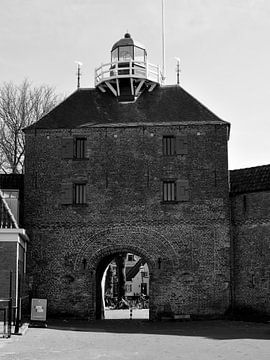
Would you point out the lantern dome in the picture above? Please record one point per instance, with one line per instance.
(128, 73)
(127, 49)
(127, 41)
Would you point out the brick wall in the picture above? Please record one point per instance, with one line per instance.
(8, 255)
(186, 243)
(251, 234)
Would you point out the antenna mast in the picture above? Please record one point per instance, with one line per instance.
(163, 41)
(79, 64)
(178, 71)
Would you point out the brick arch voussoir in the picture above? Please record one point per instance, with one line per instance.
(119, 248)
(144, 242)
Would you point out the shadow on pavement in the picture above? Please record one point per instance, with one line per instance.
(215, 329)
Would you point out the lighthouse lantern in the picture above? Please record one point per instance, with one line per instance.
(129, 73)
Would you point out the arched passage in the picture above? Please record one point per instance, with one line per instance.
(129, 288)
(102, 247)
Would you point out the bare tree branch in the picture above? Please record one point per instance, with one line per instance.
(20, 106)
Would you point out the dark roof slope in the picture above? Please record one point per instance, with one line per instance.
(250, 179)
(92, 107)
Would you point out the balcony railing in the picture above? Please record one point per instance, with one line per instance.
(7, 220)
(132, 69)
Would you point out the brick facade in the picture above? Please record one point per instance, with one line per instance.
(251, 234)
(186, 243)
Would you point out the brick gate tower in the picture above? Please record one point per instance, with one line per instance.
(130, 166)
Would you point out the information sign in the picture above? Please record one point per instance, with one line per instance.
(39, 309)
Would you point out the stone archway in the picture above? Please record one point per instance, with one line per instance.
(104, 245)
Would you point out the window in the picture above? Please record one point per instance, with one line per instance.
(79, 194)
(125, 53)
(139, 54)
(175, 145)
(168, 145)
(128, 288)
(169, 191)
(130, 257)
(80, 148)
(175, 190)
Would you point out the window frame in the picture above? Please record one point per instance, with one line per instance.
(79, 197)
(80, 147)
(171, 196)
(171, 147)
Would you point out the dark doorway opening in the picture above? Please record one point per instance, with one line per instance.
(122, 287)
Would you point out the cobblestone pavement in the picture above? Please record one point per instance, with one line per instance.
(140, 339)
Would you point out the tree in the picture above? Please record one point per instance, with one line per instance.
(20, 106)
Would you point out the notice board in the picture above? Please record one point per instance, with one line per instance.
(39, 310)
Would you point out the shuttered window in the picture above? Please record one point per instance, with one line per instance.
(74, 148)
(79, 194)
(175, 191)
(80, 148)
(174, 145)
(169, 191)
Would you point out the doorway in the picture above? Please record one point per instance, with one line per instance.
(122, 287)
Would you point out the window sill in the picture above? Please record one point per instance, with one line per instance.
(80, 159)
(169, 202)
(76, 205)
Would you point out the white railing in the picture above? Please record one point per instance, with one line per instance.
(124, 69)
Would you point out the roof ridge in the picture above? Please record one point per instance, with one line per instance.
(252, 167)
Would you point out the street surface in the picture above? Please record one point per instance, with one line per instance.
(141, 340)
(125, 314)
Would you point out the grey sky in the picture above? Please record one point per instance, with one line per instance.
(223, 46)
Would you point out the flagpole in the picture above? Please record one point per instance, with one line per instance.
(163, 39)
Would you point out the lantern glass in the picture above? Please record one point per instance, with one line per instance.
(125, 53)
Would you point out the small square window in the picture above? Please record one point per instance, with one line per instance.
(168, 145)
(169, 191)
(80, 148)
(79, 194)
(131, 257)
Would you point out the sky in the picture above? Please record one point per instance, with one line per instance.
(223, 46)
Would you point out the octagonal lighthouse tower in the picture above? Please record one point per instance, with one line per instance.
(129, 73)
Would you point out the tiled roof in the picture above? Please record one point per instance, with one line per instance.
(164, 104)
(250, 179)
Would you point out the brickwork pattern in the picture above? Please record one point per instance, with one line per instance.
(186, 244)
(251, 235)
(8, 255)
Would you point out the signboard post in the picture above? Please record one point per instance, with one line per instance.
(38, 312)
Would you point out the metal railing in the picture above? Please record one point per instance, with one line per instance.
(5, 317)
(7, 220)
(124, 69)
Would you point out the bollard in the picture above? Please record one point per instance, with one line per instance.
(130, 313)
